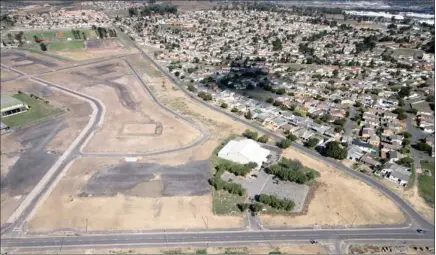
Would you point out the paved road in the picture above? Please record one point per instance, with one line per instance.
(225, 236)
(411, 214)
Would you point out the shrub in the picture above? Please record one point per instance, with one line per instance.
(284, 143)
(263, 139)
(243, 207)
(275, 202)
(224, 105)
(250, 134)
(292, 137)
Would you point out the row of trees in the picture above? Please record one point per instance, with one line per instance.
(255, 136)
(152, 9)
(77, 34)
(275, 202)
(205, 96)
(233, 188)
(103, 32)
(292, 170)
(235, 168)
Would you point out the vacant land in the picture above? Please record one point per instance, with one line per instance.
(27, 153)
(5, 75)
(67, 45)
(340, 200)
(426, 182)
(254, 249)
(29, 62)
(40, 110)
(126, 102)
(130, 211)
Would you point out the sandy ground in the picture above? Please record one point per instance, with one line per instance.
(340, 200)
(284, 249)
(121, 212)
(132, 105)
(5, 74)
(34, 60)
(92, 54)
(76, 117)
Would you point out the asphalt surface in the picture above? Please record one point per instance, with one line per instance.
(211, 237)
(411, 214)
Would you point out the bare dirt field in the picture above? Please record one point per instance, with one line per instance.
(28, 153)
(121, 212)
(284, 249)
(29, 62)
(6, 75)
(94, 53)
(340, 200)
(127, 102)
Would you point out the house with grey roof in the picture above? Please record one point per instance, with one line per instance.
(396, 173)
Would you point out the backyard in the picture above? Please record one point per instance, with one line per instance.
(39, 111)
(426, 182)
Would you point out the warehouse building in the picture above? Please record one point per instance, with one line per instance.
(11, 106)
(244, 151)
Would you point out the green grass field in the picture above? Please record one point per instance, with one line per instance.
(47, 35)
(426, 182)
(225, 203)
(65, 45)
(39, 111)
(68, 34)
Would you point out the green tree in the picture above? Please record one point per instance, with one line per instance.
(311, 142)
(292, 137)
(270, 100)
(43, 46)
(256, 207)
(224, 105)
(263, 139)
(36, 39)
(250, 134)
(284, 143)
(248, 115)
(406, 161)
(334, 149)
(192, 88)
(243, 207)
(234, 109)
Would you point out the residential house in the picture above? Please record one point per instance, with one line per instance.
(396, 173)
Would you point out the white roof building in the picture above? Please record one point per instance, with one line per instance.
(244, 151)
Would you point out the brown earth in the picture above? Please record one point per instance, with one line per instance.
(121, 212)
(93, 54)
(284, 249)
(34, 67)
(341, 200)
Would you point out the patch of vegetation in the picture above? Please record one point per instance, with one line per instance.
(284, 143)
(39, 111)
(292, 170)
(225, 203)
(65, 45)
(243, 250)
(275, 202)
(335, 150)
(235, 168)
(202, 251)
(250, 134)
(426, 182)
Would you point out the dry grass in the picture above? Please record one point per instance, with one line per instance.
(340, 200)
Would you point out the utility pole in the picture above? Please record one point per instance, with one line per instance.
(86, 227)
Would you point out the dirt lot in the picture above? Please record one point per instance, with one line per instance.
(340, 200)
(121, 212)
(126, 102)
(6, 75)
(390, 249)
(28, 153)
(93, 53)
(284, 249)
(29, 62)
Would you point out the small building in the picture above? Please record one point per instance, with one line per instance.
(11, 106)
(244, 151)
(396, 173)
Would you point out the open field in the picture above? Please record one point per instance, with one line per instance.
(340, 200)
(141, 207)
(48, 35)
(126, 102)
(27, 153)
(426, 182)
(29, 62)
(39, 111)
(6, 75)
(67, 45)
(254, 249)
